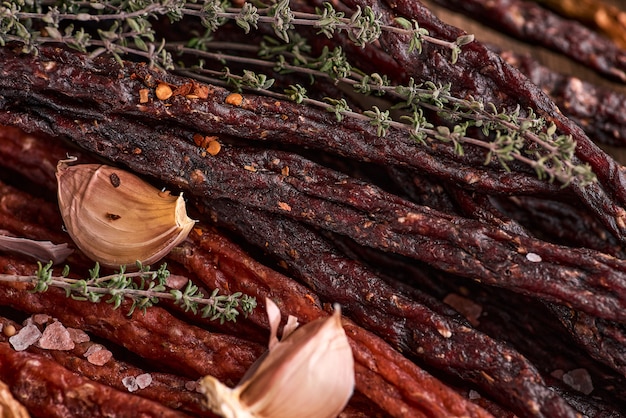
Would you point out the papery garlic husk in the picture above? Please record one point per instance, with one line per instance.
(116, 218)
(43, 251)
(308, 374)
(9, 406)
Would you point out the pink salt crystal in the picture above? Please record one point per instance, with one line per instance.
(579, 379)
(174, 281)
(100, 357)
(78, 335)
(26, 337)
(41, 319)
(56, 337)
(191, 385)
(130, 383)
(143, 380)
(93, 348)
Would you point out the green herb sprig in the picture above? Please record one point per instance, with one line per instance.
(143, 288)
(125, 29)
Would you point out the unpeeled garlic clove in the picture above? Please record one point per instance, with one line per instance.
(116, 218)
(308, 374)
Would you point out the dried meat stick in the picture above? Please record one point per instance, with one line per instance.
(434, 398)
(203, 116)
(49, 390)
(157, 335)
(375, 218)
(166, 389)
(521, 322)
(115, 90)
(238, 272)
(560, 223)
(323, 198)
(114, 371)
(537, 25)
(395, 384)
(411, 327)
(479, 72)
(600, 111)
(605, 341)
(220, 264)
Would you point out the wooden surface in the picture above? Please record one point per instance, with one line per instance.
(548, 58)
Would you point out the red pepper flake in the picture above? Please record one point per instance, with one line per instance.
(183, 90)
(144, 95)
(197, 177)
(284, 206)
(209, 143)
(311, 298)
(285, 171)
(234, 99)
(198, 139)
(201, 91)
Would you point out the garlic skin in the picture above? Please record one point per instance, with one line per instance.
(116, 218)
(308, 374)
(43, 251)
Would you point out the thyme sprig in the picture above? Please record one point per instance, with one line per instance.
(143, 288)
(506, 134)
(124, 29)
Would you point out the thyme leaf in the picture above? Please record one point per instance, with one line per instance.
(143, 288)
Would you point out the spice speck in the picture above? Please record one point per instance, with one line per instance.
(9, 330)
(163, 91)
(234, 99)
(143, 95)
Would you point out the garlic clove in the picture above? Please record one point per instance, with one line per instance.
(308, 374)
(116, 218)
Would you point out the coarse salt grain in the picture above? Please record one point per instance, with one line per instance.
(41, 319)
(580, 380)
(130, 383)
(78, 335)
(473, 395)
(143, 380)
(92, 349)
(100, 358)
(56, 337)
(175, 281)
(26, 337)
(533, 257)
